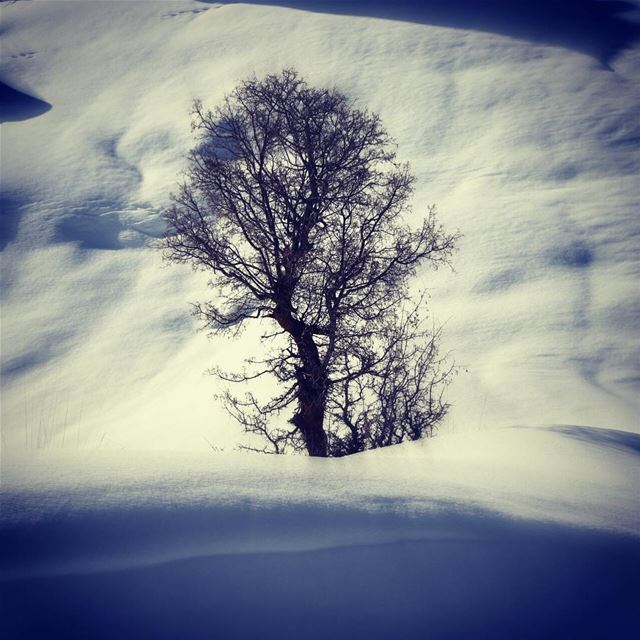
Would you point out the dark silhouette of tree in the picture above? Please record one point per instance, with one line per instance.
(293, 201)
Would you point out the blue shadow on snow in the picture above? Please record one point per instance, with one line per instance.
(16, 105)
(595, 27)
(441, 576)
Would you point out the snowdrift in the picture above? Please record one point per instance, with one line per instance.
(589, 26)
(532, 533)
(119, 521)
(16, 105)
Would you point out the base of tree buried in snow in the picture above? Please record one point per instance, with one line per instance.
(499, 534)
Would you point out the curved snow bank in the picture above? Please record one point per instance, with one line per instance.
(16, 105)
(598, 28)
(545, 583)
(63, 513)
(512, 533)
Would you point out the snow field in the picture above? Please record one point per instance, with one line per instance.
(527, 149)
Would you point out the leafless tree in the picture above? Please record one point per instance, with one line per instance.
(294, 201)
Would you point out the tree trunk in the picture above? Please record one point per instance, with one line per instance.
(312, 385)
(310, 415)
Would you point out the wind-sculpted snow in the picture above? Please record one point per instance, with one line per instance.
(506, 581)
(518, 129)
(527, 149)
(527, 145)
(16, 105)
(601, 29)
(533, 532)
(66, 513)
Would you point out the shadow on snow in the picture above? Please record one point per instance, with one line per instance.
(597, 28)
(363, 574)
(16, 105)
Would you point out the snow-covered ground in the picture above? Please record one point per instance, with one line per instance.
(566, 475)
(520, 120)
(523, 532)
(530, 150)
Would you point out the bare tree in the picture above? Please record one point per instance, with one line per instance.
(293, 200)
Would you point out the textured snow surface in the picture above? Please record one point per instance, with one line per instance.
(524, 131)
(520, 120)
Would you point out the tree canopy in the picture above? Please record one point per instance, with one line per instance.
(295, 203)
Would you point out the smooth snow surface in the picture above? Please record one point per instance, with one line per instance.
(524, 135)
(195, 504)
(547, 584)
(531, 533)
(16, 105)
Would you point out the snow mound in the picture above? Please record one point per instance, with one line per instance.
(16, 105)
(111, 510)
(532, 532)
